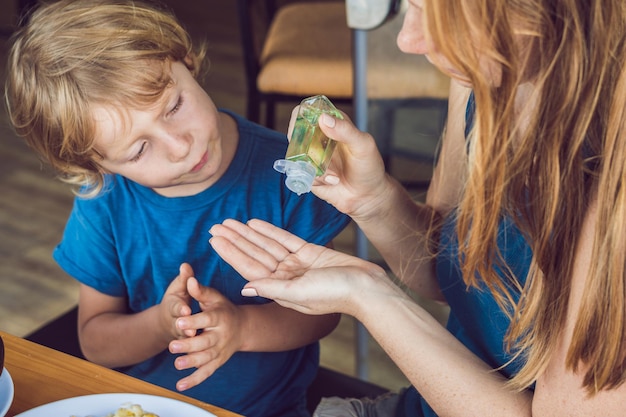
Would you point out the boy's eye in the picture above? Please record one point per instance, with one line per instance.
(176, 107)
(140, 153)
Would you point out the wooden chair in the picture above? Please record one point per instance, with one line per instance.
(297, 49)
(292, 51)
(397, 81)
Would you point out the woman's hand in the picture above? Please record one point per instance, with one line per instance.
(308, 278)
(356, 178)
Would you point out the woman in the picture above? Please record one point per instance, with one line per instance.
(522, 232)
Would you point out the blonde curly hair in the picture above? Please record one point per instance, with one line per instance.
(74, 54)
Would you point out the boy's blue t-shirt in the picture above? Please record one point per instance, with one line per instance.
(130, 241)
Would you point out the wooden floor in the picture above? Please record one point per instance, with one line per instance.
(34, 206)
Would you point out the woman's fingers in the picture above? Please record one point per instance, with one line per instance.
(254, 250)
(245, 250)
(247, 266)
(287, 240)
(292, 121)
(249, 238)
(281, 291)
(343, 130)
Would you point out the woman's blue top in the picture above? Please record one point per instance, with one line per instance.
(475, 319)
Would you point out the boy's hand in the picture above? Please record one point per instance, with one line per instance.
(176, 303)
(220, 322)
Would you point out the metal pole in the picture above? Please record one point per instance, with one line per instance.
(360, 118)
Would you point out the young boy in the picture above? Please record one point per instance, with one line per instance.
(106, 92)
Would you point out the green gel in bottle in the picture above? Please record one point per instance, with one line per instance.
(309, 150)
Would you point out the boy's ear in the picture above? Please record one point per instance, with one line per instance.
(101, 169)
(189, 61)
(96, 164)
(193, 65)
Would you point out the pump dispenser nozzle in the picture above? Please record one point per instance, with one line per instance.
(300, 174)
(309, 150)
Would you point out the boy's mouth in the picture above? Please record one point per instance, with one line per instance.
(202, 162)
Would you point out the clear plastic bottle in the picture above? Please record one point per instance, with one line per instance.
(309, 150)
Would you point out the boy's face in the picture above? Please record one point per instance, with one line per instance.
(173, 147)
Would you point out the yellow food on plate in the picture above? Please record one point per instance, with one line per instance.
(134, 410)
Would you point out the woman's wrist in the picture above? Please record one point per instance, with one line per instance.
(378, 203)
(373, 288)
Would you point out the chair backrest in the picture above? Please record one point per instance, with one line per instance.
(256, 18)
(393, 74)
(254, 21)
(279, 71)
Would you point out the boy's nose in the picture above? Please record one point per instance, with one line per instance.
(178, 147)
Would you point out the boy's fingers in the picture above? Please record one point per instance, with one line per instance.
(185, 270)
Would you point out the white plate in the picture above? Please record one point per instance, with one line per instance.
(100, 405)
(6, 392)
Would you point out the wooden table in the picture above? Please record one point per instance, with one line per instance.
(42, 375)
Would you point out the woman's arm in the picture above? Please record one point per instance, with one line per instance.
(393, 222)
(453, 380)
(315, 280)
(397, 230)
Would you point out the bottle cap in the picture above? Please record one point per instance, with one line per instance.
(300, 174)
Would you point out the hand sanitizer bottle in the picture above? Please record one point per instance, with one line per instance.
(309, 150)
